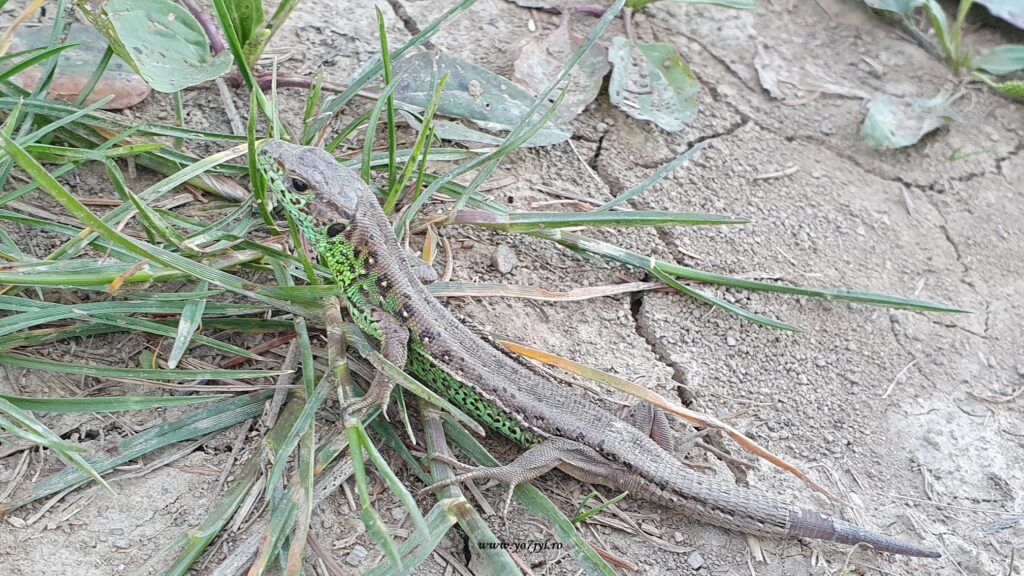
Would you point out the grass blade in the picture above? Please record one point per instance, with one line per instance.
(654, 178)
(210, 418)
(191, 316)
(23, 361)
(104, 403)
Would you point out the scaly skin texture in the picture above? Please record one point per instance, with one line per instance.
(561, 427)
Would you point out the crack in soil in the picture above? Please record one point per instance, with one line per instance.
(679, 375)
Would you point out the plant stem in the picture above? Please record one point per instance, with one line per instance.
(217, 44)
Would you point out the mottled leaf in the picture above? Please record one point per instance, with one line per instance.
(76, 66)
(541, 58)
(160, 39)
(1010, 10)
(901, 7)
(900, 122)
(472, 93)
(651, 82)
(1000, 60)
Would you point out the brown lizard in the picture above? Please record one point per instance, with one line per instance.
(560, 427)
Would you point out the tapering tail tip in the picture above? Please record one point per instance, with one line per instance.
(810, 524)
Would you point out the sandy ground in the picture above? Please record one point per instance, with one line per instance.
(911, 416)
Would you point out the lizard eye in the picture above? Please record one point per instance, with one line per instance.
(299, 185)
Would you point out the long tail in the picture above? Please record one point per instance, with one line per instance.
(729, 506)
(805, 523)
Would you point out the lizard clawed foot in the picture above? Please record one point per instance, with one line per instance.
(470, 473)
(379, 394)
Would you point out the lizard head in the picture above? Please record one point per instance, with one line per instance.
(310, 186)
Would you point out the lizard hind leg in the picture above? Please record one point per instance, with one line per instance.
(578, 460)
(652, 421)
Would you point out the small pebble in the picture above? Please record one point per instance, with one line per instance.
(730, 341)
(399, 513)
(121, 544)
(504, 259)
(357, 555)
(696, 561)
(677, 536)
(16, 522)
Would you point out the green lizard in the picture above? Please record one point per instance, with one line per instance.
(339, 217)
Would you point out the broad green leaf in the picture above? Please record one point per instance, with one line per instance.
(160, 39)
(1001, 60)
(651, 82)
(472, 93)
(902, 7)
(1010, 10)
(900, 122)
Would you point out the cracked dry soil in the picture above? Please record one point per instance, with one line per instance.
(911, 417)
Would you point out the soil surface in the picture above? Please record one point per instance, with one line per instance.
(915, 419)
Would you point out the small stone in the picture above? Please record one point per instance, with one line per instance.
(801, 236)
(602, 127)
(730, 341)
(696, 561)
(357, 555)
(677, 536)
(504, 259)
(802, 379)
(121, 544)
(399, 513)
(16, 522)
(1020, 370)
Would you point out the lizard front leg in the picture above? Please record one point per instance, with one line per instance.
(577, 460)
(394, 346)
